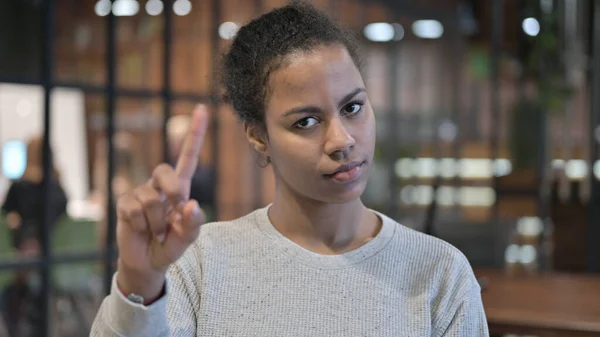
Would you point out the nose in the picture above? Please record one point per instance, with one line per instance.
(338, 141)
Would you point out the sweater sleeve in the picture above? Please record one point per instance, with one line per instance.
(469, 319)
(172, 315)
(11, 200)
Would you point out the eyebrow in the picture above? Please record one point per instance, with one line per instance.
(313, 109)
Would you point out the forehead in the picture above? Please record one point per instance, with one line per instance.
(323, 73)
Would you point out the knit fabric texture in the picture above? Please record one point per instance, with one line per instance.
(244, 278)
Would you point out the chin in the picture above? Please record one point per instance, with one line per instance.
(343, 195)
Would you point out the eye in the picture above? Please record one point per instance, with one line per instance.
(306, 123)
(352, 108)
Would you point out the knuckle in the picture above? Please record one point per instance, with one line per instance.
(124, 201)
(151, 203)
(173, 191)
(148, 196)
(130, 207)
(172, 188)
(162, 169)
(134, 211)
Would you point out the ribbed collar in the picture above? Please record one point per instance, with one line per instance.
(345, 260)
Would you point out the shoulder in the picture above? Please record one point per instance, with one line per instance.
(440, 263)
(425, 248)
(18, 184)
(16, 188)
(437, 269)
(223, 232)
(218, 238)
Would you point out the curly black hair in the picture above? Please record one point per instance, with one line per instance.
(261, 46)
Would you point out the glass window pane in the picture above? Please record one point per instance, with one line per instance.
(20, 40)
(269, 4)
(137, 149)
(140, 51)
(22, 124)
(238, 167)
(80, 50)
(76, 207)
(138, 137)
(20, 303)
(349, 12)
(78, 291)
(192, 65)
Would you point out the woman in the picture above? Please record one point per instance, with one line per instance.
(316, 262)
(23, 206)
(24, 201)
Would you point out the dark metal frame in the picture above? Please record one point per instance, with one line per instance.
(47, 77)
(391, 153)
(111, 98)
(497, 13)
(594, 202)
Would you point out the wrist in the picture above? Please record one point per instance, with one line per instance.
(139, 299)
(150, 286)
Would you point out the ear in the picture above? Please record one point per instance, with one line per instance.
(256, 136)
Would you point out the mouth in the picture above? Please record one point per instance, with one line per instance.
(347, 172)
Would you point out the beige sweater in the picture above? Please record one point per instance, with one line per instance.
(243, 278)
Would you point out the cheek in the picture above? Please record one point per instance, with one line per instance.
(293, 154)
(373, 129)
(367, 130)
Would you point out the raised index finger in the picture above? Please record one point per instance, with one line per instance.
(192, 145)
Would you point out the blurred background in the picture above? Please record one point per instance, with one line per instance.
(488, 128)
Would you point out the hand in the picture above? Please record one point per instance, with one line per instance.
(13, 220)
(157, 222)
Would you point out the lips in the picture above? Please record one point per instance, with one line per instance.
(346, 167)
(347, 172)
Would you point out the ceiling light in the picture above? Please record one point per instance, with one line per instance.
(428, 29)
(576, 169)
(182, 7)
(398, 31)
(154, 7)
(125, 7)
(227, 30)
(102, 7)
(531, 26)
(379, 32)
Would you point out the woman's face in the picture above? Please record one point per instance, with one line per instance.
(320, 125)
(34, 152)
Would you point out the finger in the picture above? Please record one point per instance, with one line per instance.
(186, 230)
(190, 153)
(129, 212)
(166, 181)
(152, 209)
(182, 233)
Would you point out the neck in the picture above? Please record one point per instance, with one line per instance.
(322, 227)
(33, 174)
